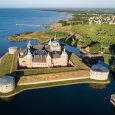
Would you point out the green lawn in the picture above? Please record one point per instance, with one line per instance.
(77, 61)
(105, 33)
(8, 64)
(5, 65)
(27, 72)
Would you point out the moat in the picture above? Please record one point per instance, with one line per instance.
(62, 100)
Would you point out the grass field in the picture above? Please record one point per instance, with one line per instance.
(8, 64)
(5, 65)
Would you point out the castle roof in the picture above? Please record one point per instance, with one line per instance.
(22, 56)
(6, 80)
(100, 67)
(39, 58)
(56, 55)
(55, 43)
(29, 44)
(38, 47)
(29, 53)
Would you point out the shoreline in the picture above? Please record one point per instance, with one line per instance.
(51, 25)
(55, 84)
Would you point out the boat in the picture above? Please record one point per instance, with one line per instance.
(112, 99)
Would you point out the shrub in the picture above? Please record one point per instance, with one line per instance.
(95, 48)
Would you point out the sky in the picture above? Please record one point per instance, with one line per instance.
(57, 3)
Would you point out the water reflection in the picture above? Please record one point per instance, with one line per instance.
(7, 98)
(97, 86)
(113, 108)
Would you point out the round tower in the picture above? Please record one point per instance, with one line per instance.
(48, 59)
(55, 37)
(29, 58)
(50, 42)
(29, 44)
(21, 52)
(64, 58)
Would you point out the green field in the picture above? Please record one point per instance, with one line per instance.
(8, 64)
(5, 65)
(105, 34)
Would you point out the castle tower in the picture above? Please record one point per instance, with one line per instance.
(21, 52)
(48, 60)
(29, 58)
(29, 44)
(64, 58)
(49, 43)
(55, 45)
(55, 37)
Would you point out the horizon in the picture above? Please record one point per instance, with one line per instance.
(57, 8)
(57, 4)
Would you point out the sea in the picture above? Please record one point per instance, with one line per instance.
(78, 99)
(14, 21)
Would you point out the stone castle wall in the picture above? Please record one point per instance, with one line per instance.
(97, 75)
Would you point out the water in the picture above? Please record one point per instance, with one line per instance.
(10, 17)
(63, 100)
(93, 99)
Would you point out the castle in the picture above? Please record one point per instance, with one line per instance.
(43, 56)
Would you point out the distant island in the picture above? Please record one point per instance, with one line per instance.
(49, 64)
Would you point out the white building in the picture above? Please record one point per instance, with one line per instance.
(99, 72)
(7, 84)
(12, 50)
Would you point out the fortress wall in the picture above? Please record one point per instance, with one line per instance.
(44, 78)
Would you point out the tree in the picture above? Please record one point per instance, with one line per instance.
(95, 48)
(112, 49)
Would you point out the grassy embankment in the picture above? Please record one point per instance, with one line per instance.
(44, 85)
(8, 64)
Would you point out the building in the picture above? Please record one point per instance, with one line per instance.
(112, 20)
(43, 56)
(99, 72)
(7, 84)
(102, 19)
(12, 50)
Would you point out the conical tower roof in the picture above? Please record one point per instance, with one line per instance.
(64, 53)
(29, 54)
(48, 56)
(29, 44)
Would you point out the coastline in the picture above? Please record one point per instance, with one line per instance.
(24, 36)
(53, 84)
